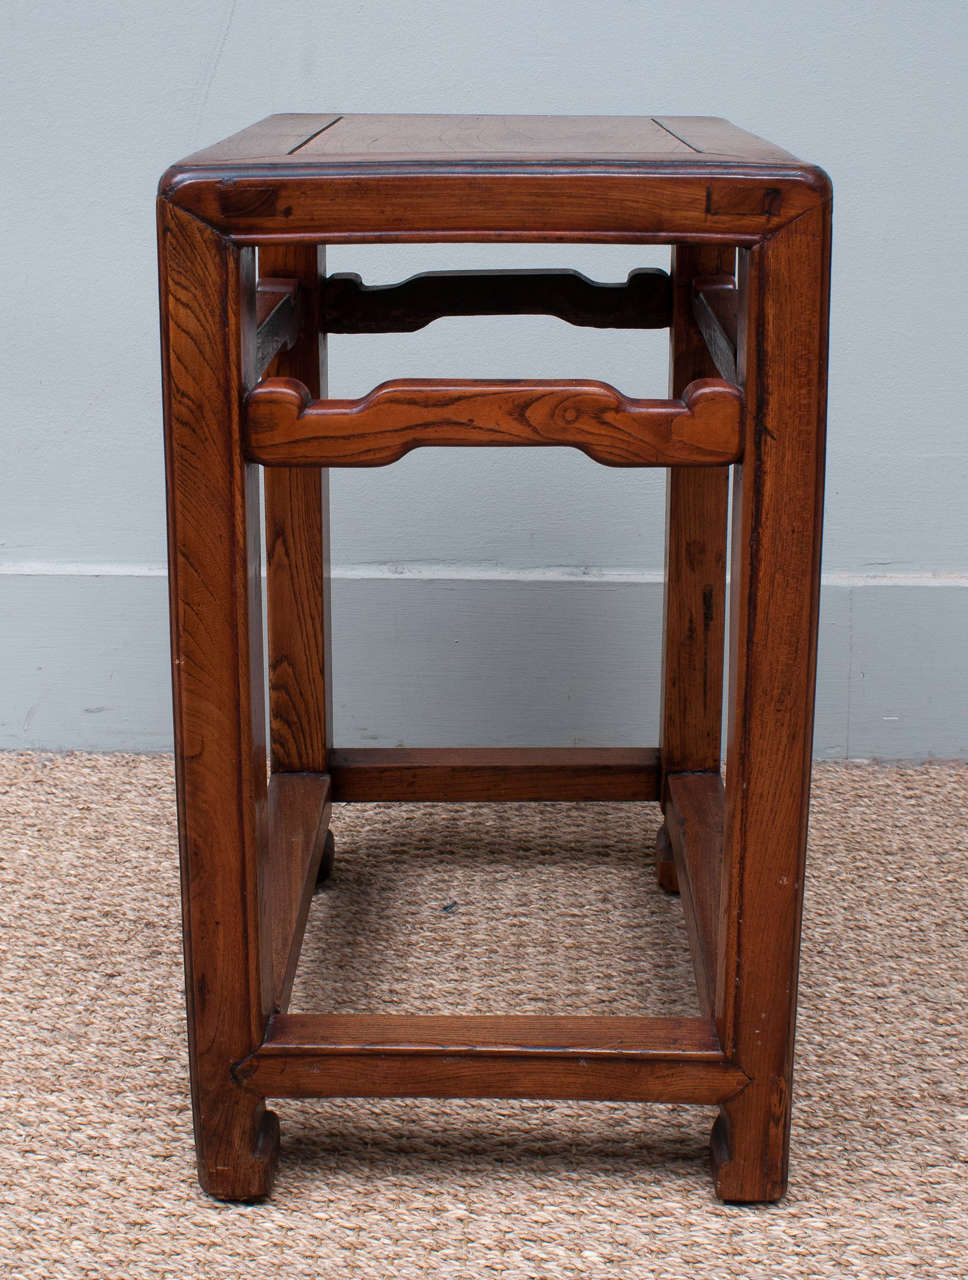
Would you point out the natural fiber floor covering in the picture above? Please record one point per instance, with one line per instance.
(549, 907)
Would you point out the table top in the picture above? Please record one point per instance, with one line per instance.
(439, 141)
(477, 177)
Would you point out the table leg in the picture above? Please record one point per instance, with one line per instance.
(775, 587)
(208, 326)
(695, 583)
(297, 549)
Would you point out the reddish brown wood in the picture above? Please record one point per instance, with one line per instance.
(702, 185)
(625, 207)
(284, 425)
(717, 137)
(460, 140)
(695, 587)
(489, 1036)
(495, 177)
(694, 821)
(494, 774)
(299, 809)
(643, 1059)
(208, 323)
(775, 588)
(297, 551)
(269, 140)
(643, 301)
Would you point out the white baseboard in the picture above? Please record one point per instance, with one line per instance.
(429, 655)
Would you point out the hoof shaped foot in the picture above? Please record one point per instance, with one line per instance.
(747, 1169)
(246, 1175)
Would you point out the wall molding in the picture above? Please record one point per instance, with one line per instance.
(468, 573)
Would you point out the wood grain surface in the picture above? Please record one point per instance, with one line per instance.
(643, 1059)
(709, 202)
(208, 332)
(297, 550)
(398, 178)
(248, 853)
(494, 774)
(695, 579)
(774, 605)
(284, 425)
(305, 140)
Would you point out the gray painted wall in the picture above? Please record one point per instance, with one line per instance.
(428, 659)
(482, 597)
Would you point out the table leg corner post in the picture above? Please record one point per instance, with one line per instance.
(208, 291)
(750, 1144)
(237, 1149)
(297, 548)
(695, 577)
(775, 589)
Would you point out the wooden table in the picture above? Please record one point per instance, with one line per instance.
(244, 387)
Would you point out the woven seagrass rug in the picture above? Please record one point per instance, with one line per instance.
(473, 908)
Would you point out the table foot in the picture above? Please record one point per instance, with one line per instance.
(243, 1165)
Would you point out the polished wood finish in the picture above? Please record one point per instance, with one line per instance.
(458, 141)
(251, 850)
(695, 581)
(297, 550)
(774, 606)
(494, 774)
(285, 426)
(639, 1059)
(267, 141)
(399, 178)
(208, 323)
(642, 302)
(386, 206)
